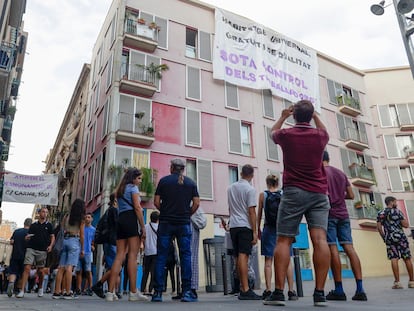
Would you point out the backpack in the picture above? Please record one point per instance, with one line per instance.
(105, 231)
(271, 206)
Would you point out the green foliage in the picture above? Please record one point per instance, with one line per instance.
(147, 184)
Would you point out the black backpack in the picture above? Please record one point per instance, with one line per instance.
(271, 206)
(106, 228)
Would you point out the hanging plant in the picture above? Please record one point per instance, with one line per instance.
(141, 21)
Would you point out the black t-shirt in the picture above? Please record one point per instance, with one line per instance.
(41, 239)
(176, 199)
(19, 243)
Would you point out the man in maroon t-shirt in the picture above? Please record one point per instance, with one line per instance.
(339, 228)
(304, 194)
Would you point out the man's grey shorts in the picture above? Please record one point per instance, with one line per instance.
(295, 204)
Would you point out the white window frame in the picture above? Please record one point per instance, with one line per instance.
(189, 128)
(187, 80)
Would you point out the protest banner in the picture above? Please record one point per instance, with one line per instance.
(42, 189)
(250, 55)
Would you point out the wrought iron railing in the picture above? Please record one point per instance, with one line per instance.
(356, 135)
(361, 171)
(348, 101)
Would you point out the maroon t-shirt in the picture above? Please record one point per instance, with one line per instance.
(303, 147)
(337, 184)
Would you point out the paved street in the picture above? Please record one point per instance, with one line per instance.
(380, 297)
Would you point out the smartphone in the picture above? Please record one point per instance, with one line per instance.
(30, 235)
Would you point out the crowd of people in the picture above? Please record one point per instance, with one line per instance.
(60, 259)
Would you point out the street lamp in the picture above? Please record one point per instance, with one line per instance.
(406, 23)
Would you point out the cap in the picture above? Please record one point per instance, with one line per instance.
(325, 156)
(177, 163)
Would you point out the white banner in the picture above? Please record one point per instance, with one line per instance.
(251, 55)
(42, 189)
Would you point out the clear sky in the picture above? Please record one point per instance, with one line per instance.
(62, 34)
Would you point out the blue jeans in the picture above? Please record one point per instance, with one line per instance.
(70, 252)
(166, 232)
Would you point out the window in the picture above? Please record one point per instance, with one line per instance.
(93, 138)
(161, 23)
(205, 46)
(96, 96)
(246, 139)
(190, 42)
(109, 72)
(129, 107)
(193, 128)
(349, 157)
(85, 153)
(133, 67)
(201, 172)
(272, 151)
(233, 174)
(336, 89)
(85, 186)
(193, 83)
(105, 125)
(286, 105)
(97, 179)
(350, 129)
(396, 115)
(397, 145)
(132, 157)
(268, 110)
(232, 96)
(91, 173)
(401, 178)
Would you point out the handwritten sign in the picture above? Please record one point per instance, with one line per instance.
(42, 189)
(251, 55)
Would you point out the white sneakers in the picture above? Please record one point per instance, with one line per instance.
(111, 296)
(40, 292)
(20, 294)
(137, 296)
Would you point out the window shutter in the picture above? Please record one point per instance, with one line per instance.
(193, 131)
(205, 179)
(409, 205)
(287, 104)
(268, 104)
(403, 114)
(232, 98)
(391, 146)
(341, 126)
(272, 152)
(411, 111)
(368, 161)
(384, 115)
(205, 46)
(395, 178)
(162, 34)
(193, 83)
(332, 93)
(363, 132)
(378, 198)
(234, 135)
(345, 162)
(355, 94)
(352, 157)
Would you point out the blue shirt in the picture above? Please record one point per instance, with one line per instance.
(89, 234)
(125, 202)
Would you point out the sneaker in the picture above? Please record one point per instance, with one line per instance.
(333, 295)
(249, 295)
(292, 295)
(118, 295)
(110, 296)
(361, 296)
(266, 293)
(156, 297)
(10, 289)
(89, 292)
(276, 298)
(68, 296)
(20, 294)
(40, 292)
(57, 296)
(137, 296)
(319, 299)
(189, 297)
(177, 297)
(194, 293)
(397, 285)
(98, 290)
(78, 292)
(410, 284)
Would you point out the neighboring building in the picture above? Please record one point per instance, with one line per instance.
(6, 230)
(12, 52)
(64, 157)
(151, 96)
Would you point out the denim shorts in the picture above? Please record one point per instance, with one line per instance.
(339, 229)
(85, 263)
(69, 255)
(295, 204)
(109, 253)
(268, 241)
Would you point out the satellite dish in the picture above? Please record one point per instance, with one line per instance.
(378, 9)
(405, 6)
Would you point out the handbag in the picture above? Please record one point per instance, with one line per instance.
(198, 219)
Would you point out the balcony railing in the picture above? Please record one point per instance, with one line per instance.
(7, 54)
(362, 175)
(140, 36)
(356, 139)
(348, 105)
(366, 215)
(409, 154)
(15, 87)
(135, 78)
(132, 129)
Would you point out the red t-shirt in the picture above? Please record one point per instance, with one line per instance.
(337, 185)
(303, 147)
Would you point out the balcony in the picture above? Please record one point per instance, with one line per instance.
(409, 154)
(136, 79)
(15, 88)
(366, 215)
(139, 35)
(7, 55)
(356, 139)
(132, 129)
(407, 126)
(71, 163)
(348, 105)
(361, 175)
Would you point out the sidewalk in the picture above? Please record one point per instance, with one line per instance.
(380, 298)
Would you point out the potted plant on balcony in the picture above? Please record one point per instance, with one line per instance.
(147, 186)
(358, 204)
(154, 26)
(154, 71)
(141, 21)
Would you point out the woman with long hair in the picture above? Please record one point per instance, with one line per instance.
(130, 232)
(73, 224)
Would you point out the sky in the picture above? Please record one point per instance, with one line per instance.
(62, 34)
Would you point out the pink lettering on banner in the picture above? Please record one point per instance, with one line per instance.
(240, 74)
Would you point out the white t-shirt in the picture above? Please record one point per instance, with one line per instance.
(151, 239)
